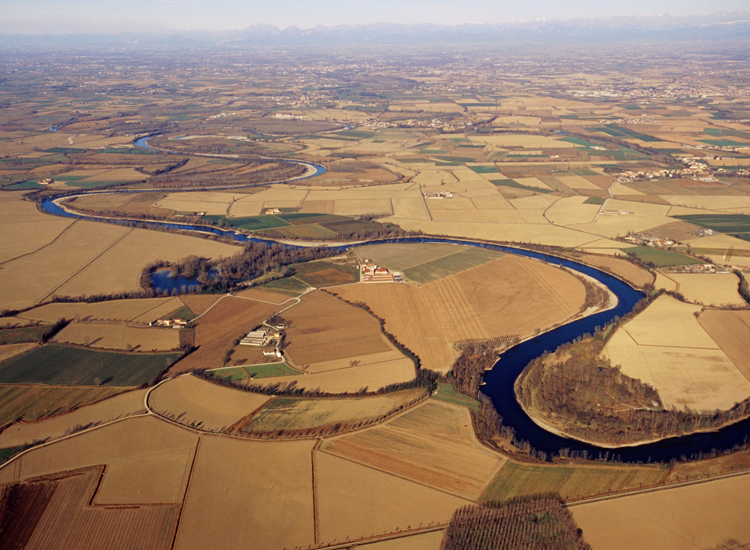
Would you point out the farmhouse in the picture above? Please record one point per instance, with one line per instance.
(273, 211)
(372, 273)
(256, 338)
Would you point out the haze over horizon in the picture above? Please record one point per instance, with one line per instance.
(142, 16)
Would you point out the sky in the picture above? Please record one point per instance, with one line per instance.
(147, 16)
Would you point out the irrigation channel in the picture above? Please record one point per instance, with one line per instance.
(500, 380)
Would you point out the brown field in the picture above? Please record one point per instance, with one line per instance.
(249, 494)
(433, 444)
(665, 346)
(351, 379)
(628, 271)
(697, 516)
(731, 331)
(133, 439)
(11, 350)
(25, 229)
(118, 268)
(570, 481)
(300, 413)
(711, 289)
(524, 295)
(216, 331)
(345, 331)
(356, 501)
(24, 433)
(121, 337)
(425, 541)
(23, 402)
(199, 303)
(69, 522)
(197, 403)
(114, 310)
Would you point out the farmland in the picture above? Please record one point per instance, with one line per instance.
(430, 318)
(574, 151)
(72, 366)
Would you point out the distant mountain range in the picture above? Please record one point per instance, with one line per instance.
(722, 27)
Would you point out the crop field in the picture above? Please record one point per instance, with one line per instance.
(504, 297)
(62, 365)
(216, 331)
(447, 393)
(253, 371)
(137, 310)
(20, 401)
(433, 444)
(128, 441)
(571, 481)
(352, 376)
(730, 330)
(346, 331)
(25, 433)
(711, 289)
(356, 501)
(290, 285)
(11, 350)
(298, 413)
(192, 402)
(670, 519)
(22, 335)
(665, 346)
(269, 483)
(118, 268)
(326, 273)
(119, 337)
(66, 522)
(38, 229)
(621, 268)
(660, 258)
(735, 224)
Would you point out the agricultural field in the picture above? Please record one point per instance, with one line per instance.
(192, 402)
(429, 319)
(134, 311)
(74, 366)
(119, 337)
(296, 413)
(624, 269)
(251, 372)
(570, 481)
(220, 326)
(666, 346)
(426, 262)
(433, 444)
(32, 402)
(710, 289)
(667, 519)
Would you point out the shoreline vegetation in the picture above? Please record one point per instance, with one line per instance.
(577, 393)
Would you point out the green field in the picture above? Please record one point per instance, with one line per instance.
(254, 371)
(448, 393)
(660, 258)
(22, 335)
(9, 452)
(731, 224)
(63, 365)
(484, 169)
(322, 273)
(34, 402)
(250, 223)
(595, 200)
(618, 131)
(516, 185)
(724, 142)
(442, 267)
(570, 481)
(288, 285)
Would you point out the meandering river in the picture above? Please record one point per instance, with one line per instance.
(499, 382)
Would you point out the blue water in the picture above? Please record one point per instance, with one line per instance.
(162, 282)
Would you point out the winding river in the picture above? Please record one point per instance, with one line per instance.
(500, 380)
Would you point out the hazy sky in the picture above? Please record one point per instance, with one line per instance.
(111, 16)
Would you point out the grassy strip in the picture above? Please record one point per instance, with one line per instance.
(255, 371)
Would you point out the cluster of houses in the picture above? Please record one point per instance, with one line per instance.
(440, 195)
(643, 239)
